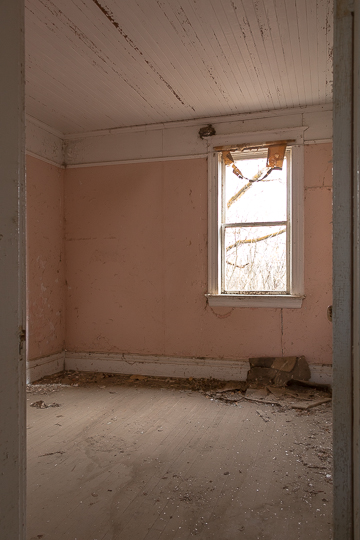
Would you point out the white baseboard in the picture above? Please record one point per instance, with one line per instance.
(47, 365)
(163, 366)
(321, 373)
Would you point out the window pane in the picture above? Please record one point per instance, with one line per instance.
(264, 200)
(255, 259)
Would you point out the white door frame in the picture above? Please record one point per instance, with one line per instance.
(346, 270)
(12, 271)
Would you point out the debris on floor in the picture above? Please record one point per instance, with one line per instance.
(278, 371)
(231, 386)
(311, 404)
(299, 397)
(43, 388)
(296, 394)
(263, 415)
(256, 393)
(52, 453)
(54, 383)
(138, 378)
(42, 405)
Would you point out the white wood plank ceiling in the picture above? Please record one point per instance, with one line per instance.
(100, 64)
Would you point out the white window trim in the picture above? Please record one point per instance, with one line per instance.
(294, 299)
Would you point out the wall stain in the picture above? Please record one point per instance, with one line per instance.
(219, 315)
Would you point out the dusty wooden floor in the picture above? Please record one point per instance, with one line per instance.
(140, 462)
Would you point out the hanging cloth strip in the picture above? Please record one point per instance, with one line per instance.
(275, 158)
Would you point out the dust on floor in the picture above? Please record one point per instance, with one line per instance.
(118, 457)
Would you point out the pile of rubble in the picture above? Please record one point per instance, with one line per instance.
(276, 381)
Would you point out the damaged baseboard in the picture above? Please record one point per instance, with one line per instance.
(47, 365)
(321, 373)
(170, 366)
(162, 366)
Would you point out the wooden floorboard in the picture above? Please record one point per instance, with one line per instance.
(138, 463)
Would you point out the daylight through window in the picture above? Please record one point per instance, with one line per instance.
(255, 226)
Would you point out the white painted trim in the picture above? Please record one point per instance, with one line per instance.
(45, 160)
(12, 273)
(319, 141)
(164, 366)
(47, 365)
(321, 374)
(345, 344)
(213, 232)
(132, 161)
(171, 366)
(297, 221)
(167, 141)
(44, 143)
(259, 301)
(181, 140)
(294, 300)
(202, 121)
(257, 137)
(44, 127)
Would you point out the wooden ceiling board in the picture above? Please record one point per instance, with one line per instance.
(277, 55)
(311, 26)
(140, 62)
(81, 59)
(100, 64)
(241, 63)
(256, 28)
(243, 54)
(264, 37)
(177, 68)
(199, 48)
(172, 80)
(72, 76)
(329, 51)
(232, 59)
(294, 38)
(215, 44)
(194, 64)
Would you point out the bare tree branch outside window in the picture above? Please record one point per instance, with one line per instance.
(255, 256)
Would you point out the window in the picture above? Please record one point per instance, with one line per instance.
(255, 224)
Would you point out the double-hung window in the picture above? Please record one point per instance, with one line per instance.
(255, 224)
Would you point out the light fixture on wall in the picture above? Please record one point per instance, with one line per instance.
(207, 131)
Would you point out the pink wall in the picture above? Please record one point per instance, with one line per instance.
(136, 251)
(308, 330)
(45, 258)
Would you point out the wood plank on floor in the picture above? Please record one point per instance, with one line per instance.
(165, 464)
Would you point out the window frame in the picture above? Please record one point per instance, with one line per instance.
(292, 299)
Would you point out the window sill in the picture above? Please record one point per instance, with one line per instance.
(261, 301)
